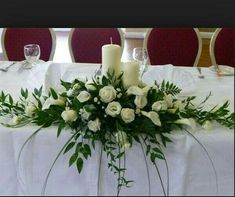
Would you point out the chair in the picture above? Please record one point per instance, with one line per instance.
(14, 40)
(177, 46)
(222, 47)
(85, 43)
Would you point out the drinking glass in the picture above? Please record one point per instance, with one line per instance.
(32, 53)
(140, 54)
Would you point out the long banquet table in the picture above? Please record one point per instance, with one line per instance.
(189, 168)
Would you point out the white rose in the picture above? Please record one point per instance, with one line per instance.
(189, 122)
(153, 116)
(94, 125)
(50, 101)
(30, 110)
(89, 85)
(169, 100)
(207, 125)
(128, 115)
(69, 115)
(107, 94)
(159, 105)
(141, 101)
(83, 96)
(135, 90)
(113, 109)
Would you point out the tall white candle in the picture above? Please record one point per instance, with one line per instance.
(130, 73)
(111, 59)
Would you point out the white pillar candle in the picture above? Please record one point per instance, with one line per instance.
(111, 59)
(130, 73)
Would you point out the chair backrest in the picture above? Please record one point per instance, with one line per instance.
(222, 47)
(85, 43)
(14, 40)
(177, 46)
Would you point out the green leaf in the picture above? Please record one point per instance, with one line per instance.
(89, 108)
(118, 126)
(72, 159)
(105, 81)
(53, 93)
(87, 149)
(36, 92)
(10, 100)
(22, 92)
(157, 150)
(148, 149)
(79, 147)
(60, 128)
(153, 157)
(67, 85)
(136, 138)
(69, 146)
(93, 144)
(40, 92)
(79, 164)
(120, 155)
(165, 139)
(77, 104)
(160, 156)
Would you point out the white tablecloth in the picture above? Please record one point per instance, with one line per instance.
(190, 169)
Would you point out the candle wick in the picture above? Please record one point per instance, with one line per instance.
(111, 40)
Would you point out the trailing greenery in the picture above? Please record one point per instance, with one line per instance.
(103, 110)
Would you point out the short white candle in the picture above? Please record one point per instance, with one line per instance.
(111, 59)
(130, 73)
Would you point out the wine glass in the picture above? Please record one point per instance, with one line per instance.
(140, 54)
(32, 53)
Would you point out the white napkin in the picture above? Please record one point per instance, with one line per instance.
(181, 78)
(67, 72)
(81, 71)
(37, 75)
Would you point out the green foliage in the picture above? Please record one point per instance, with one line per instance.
(168, 88)
(141, 130)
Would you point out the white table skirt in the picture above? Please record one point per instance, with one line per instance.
(190, 170)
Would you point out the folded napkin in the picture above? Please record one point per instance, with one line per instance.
(37, 75)
(67, 72)
(180, 77)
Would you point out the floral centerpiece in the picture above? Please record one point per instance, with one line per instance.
(106, 110)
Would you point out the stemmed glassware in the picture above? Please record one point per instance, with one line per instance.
(32, 53)
(140, 54)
